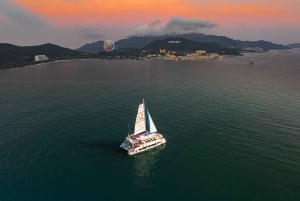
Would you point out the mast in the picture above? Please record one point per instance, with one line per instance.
(145, 114)
(128, 129)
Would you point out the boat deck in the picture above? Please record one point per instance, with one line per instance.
(141, 142)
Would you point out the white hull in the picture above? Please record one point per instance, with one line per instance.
(142, 143)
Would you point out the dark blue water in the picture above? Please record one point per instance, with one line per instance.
(232, 130)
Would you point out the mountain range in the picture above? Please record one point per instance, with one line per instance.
(138, 42)
(13, 56)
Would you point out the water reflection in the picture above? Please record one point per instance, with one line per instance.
(145, 166)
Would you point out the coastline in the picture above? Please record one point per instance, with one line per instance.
(84, 59)
(47, 62)
(246, 54)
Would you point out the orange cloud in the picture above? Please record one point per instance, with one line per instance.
(2, 18)
(104, 10)
(137, 11)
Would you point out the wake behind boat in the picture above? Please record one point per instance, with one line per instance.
(145, 136)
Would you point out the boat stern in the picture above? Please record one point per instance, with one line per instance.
(124, 145)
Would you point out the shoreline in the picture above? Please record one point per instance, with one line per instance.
(47, 62)
(67, 60)
(117, 59)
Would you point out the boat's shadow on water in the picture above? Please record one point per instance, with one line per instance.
(109, 147)
(113, 147)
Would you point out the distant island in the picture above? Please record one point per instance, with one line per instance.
(184, 46)
(294, 45)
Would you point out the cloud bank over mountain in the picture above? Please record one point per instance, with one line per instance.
(175, 25)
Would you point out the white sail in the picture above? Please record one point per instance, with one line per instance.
(152, 127)
(140, 122)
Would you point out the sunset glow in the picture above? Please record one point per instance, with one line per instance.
(74, 22)
(135, 11)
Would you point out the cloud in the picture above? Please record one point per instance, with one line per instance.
(18, 15)
(3, 18)
(175, 25)
(89, 32)
(22, 27)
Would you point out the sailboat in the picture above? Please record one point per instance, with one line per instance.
(145, 136)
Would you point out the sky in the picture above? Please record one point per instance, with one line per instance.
(72, 23)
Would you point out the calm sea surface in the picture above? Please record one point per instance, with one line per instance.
(232, 130)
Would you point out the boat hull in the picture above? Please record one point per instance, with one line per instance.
(146, 148)
(144, 144)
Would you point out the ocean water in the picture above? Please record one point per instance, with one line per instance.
(232, 130)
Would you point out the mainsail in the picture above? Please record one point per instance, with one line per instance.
(144, 121)
(140, 122)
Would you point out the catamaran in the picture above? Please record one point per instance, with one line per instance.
(145, 134)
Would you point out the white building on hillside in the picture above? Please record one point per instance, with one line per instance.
(38, 58)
